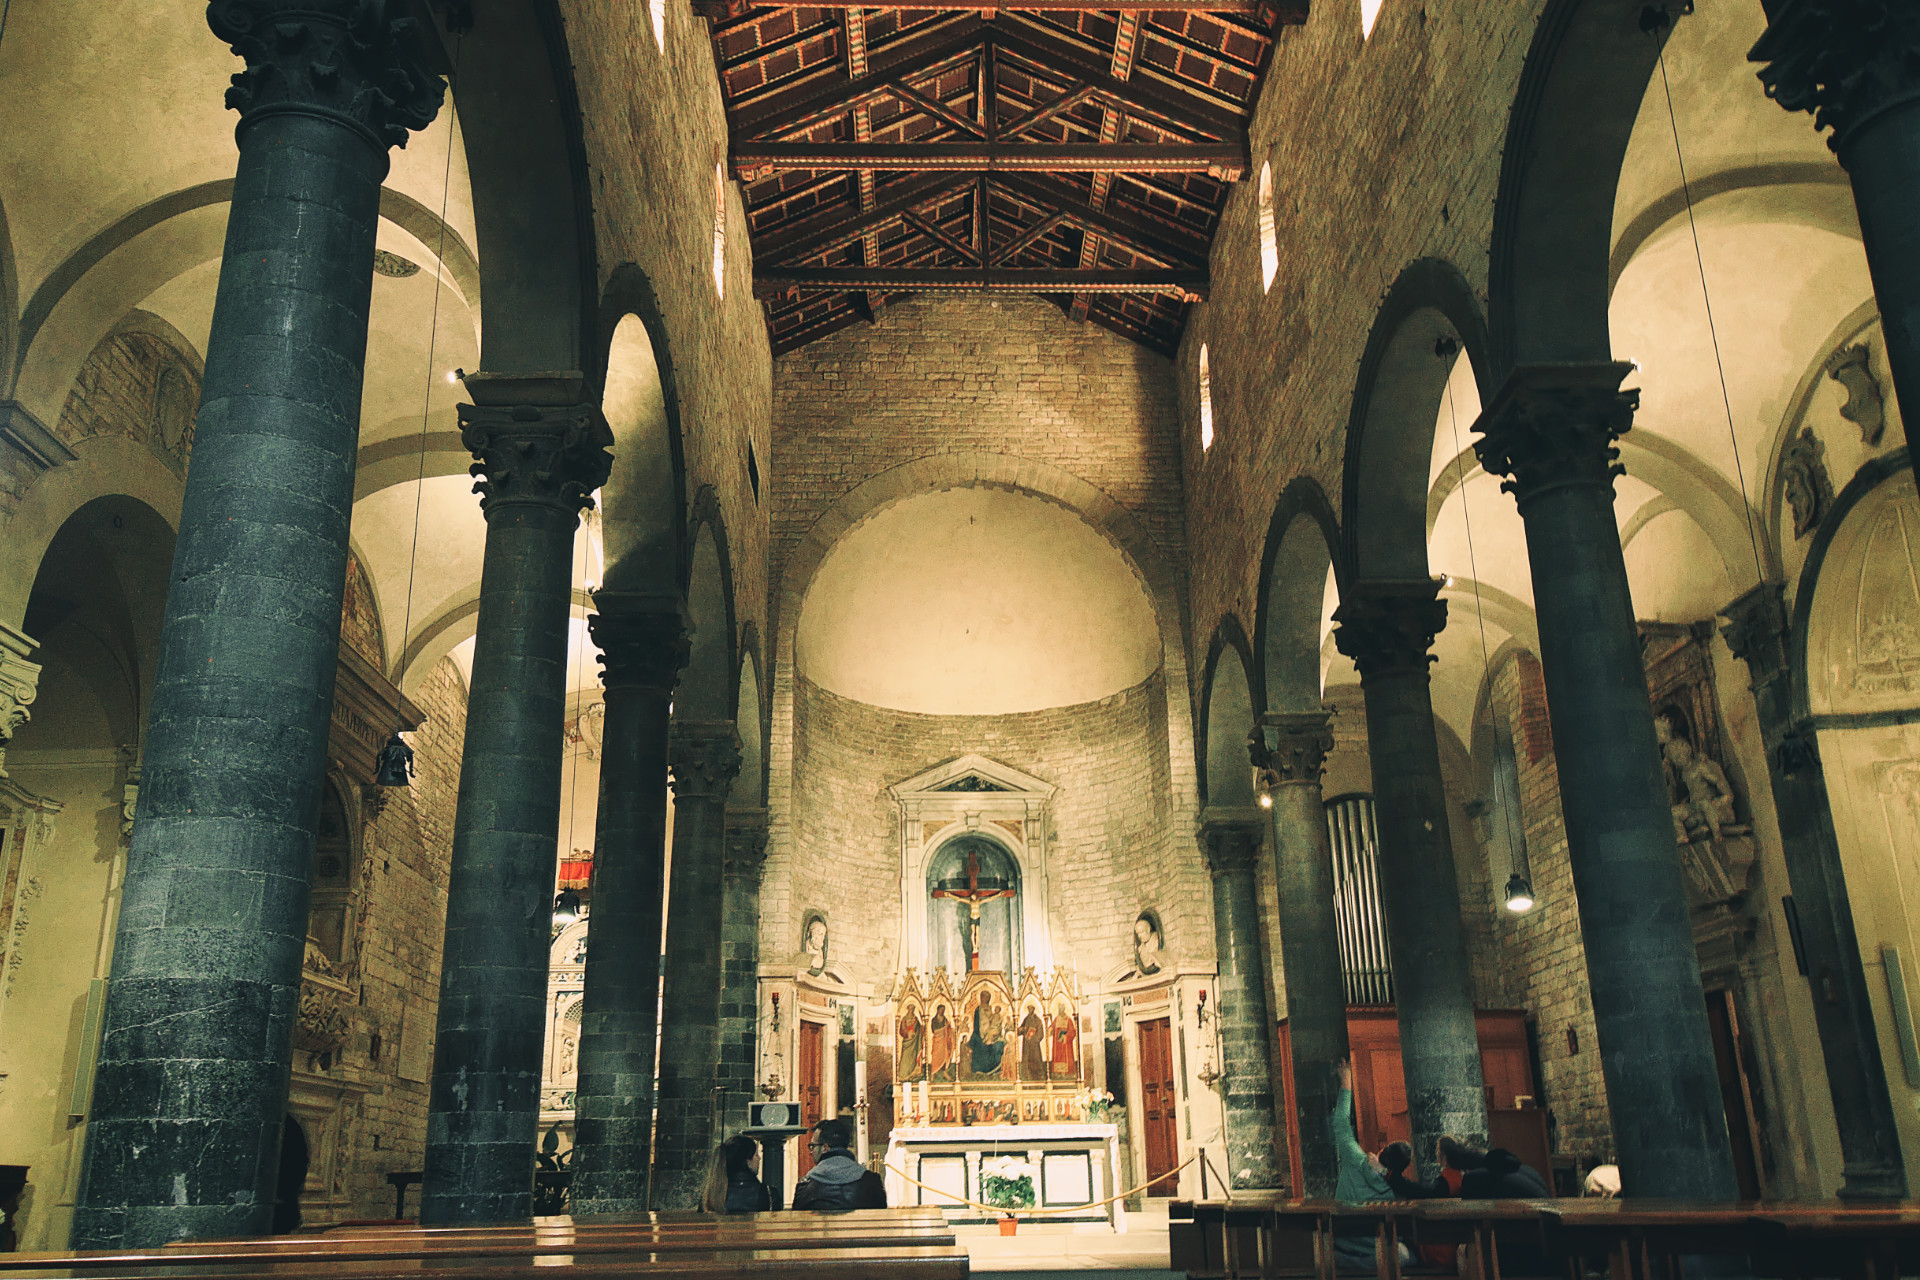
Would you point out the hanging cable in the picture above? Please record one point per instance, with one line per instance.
(5, 10)
(1486, 654)
(1700, 262)
(394, 765)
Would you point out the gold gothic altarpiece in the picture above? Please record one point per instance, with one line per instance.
(984, 1048)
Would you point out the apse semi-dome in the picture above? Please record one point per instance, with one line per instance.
(975, 602)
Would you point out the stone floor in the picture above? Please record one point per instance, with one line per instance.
(1040, 1250)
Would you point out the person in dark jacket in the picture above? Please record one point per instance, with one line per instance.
(837, 1180)
(1500, 1176)
(741, 1191)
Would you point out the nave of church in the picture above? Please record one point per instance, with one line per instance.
(578, 577)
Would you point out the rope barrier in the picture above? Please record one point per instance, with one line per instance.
(1049, 1212)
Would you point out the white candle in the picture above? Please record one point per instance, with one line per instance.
(922, 1114)
(859, 1084)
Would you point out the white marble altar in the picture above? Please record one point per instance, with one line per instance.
(1074, 1164)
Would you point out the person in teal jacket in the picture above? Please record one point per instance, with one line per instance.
(1361, 1180)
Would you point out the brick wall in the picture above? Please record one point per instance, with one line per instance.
(1108, 850)
(654, 130)
(1541, 952)
(405, 857)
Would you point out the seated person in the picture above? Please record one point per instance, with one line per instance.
(735, 1185)
(1362, 1180)
(837, 1180)
(1394, 1159)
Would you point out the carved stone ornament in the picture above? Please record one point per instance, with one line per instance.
(324, 998)
(1232, 844)
(1388, 628)
(1292, 746)
(1551, 426)
(1756, 631)
(346, 60)
(1844, 60)
(540, 455)
(703, 759)
(19, 685)
(1866, 405)
(745, 854)
(393, 266)
(1803, 477)
(643, 640)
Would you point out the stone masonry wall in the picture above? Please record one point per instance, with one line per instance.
(654, 131)
(1542, 951)
(406, 855)
(1106, 852)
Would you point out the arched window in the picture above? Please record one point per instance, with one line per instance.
(1206, 400)
(1269, 246)
(1369, 10)
(973, 892)
(657, 9)
(720, 228)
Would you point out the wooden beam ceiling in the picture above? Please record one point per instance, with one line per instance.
(1078, 151)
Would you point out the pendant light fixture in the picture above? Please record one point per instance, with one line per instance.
(1519, 894)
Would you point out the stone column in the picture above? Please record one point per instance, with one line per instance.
(704, 757)
(1232, 838)
(745, 858)
(1757, 632)
(1387, 628)
(1851, 63)
(1550, 431)
(643, 646)
(541, 454)
(195, 1056)
(1293, 749)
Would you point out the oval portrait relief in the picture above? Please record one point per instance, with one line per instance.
(173, 406)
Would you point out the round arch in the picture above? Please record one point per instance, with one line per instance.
(1301, 539)
(645, 508)
(1227, 711)
(708, 687)
(1429, 316)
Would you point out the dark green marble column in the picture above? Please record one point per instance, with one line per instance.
(1550, 432)
(196, 1052)
(643, 646)
(1851, 63)
(704, 757)
(1295, 747)
(541, 455)
(1387, 628)
(1842, 1008)
(1243, 1026)
(746, 857)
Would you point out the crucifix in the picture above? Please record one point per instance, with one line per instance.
(974, 897)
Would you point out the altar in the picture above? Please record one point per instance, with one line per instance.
(1071, 1164)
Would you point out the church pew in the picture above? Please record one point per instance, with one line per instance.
(906, 1262)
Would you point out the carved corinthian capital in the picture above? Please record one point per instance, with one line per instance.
(1293, 746)
(19, 685)
(746, 850)
(643, 640)
(703, 758)
(345, 60)
(1232, 842)
(537, 455)
(1756, 631)
(1552, 426)
(1387, 628)
(1847, 61)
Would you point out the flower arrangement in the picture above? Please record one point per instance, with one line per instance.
(1006, 1182)
(1094, 1104)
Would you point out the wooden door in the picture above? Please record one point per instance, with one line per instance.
(1379, 1086)
(812, 1067)
(1505, 1063)
(1160, 1105)
(1736, 1093)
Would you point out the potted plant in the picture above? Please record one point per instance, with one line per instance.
(1095, 1105)
(1006, 1182)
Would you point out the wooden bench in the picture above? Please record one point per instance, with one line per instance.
(912, 1244)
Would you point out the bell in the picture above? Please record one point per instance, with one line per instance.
(394, 765)
(566, 907)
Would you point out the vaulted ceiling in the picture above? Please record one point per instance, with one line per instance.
(1076, 152)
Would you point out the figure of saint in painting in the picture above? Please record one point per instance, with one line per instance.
(913, 1046)
(1149, 953)
(1065, 1050)
(940, 1052)
(1033, 1049)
